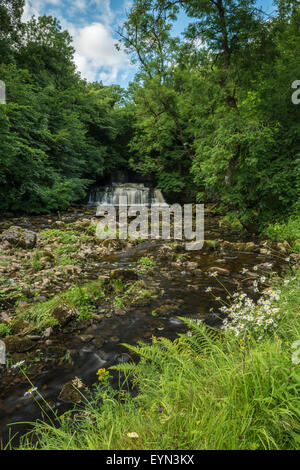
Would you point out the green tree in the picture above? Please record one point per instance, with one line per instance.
(10, 25)
(58, 132)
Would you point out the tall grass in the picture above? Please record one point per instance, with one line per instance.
(203, 391)
(290, 231)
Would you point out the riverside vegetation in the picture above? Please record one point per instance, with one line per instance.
(126, 344)
(231, 388)
(199, 392)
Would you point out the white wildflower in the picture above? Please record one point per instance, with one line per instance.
(30, 391)
(18, 364)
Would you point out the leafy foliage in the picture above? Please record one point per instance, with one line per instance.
(209, 116)
(215, 115)
(57, 132)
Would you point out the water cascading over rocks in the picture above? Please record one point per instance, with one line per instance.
(136, 194)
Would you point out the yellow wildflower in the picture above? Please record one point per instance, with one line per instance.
(102, 373)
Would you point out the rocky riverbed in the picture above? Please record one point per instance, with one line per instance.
(68, 300)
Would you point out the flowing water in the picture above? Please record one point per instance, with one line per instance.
(183, 286)
(135, 194)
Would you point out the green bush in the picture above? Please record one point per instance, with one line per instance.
(289, 231)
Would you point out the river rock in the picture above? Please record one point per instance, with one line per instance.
(69, 394)
(124, 274)
(20, 237)
(63, 313)
(48, 332)
(98, 342)
(164, 310)
(217, 269)
(4, 316)
(165, 252)
(18, 326)
(58, 224)
(86, 338)
(14, 344)
(264, 251)
(240, 246)
(119, 311)
(191, 265)
(121, 358)
(284, 247)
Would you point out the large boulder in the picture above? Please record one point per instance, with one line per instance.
(19, 237)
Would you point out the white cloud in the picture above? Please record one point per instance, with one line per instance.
(31, 8)
(96, 56)
(104, 11)
(79, 4)
(96, 43)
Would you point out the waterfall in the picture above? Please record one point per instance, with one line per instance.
(136, 194)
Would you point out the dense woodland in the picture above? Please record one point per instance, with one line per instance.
(208, 116)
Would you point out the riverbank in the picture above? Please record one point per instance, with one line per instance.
(100, 294)
(202, 391)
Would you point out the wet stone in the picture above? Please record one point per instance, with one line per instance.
(69, 394)
(20, 237)
(115, 339)
(164, 310)
(218, 270)
(63, 313)
(87, 338)
(121, 358)
(48, 332)
(98, 342)
(119, 311)
(14, 344)
(17, 326)
(124, 274)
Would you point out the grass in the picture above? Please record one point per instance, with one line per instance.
(132, 292)
(289, 231)
(61, 236)
(85, 298)
(81, 298)
(146, 263)
(202, 391)
(4, 330)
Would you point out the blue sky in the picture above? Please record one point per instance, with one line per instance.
(93, 25)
